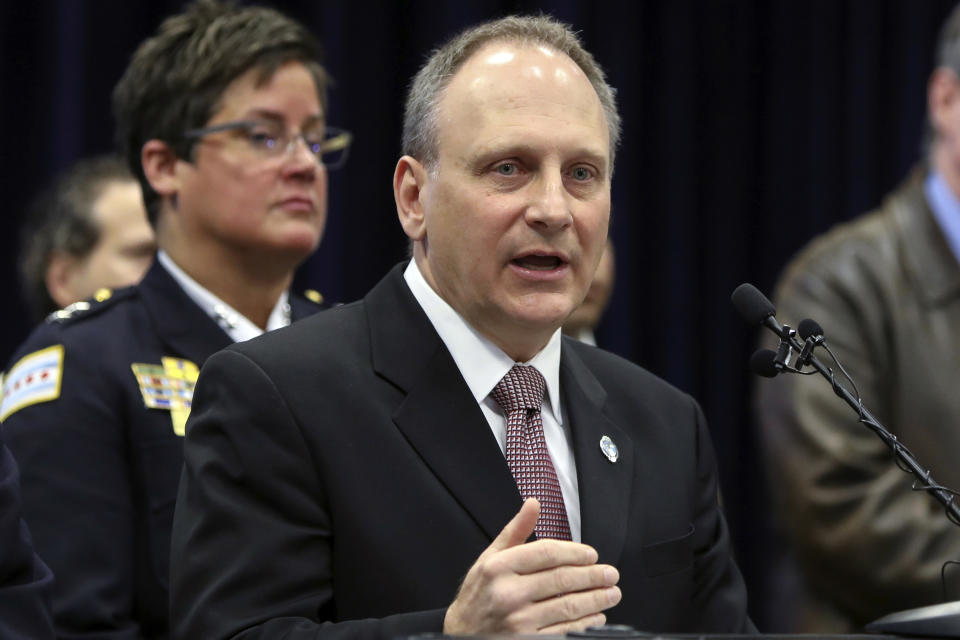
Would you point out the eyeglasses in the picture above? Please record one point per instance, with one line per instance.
(268, 139)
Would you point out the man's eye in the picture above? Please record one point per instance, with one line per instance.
(581, 174)
(507, 169)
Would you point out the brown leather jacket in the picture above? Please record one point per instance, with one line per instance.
(886, 290)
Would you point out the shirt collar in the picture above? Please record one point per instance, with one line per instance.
(480, 361)
(945, 207)
(235, 324)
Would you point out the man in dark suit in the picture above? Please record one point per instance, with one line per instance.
(885, 288)
(222, 118)
(343, 476)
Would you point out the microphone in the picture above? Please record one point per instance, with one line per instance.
(810, 329)
(755, 308)
(812, 336)
(763, 363)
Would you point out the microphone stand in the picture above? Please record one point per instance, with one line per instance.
(905, 458)
(939, 620)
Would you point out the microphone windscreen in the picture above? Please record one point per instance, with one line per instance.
(752, 305)
(763, 363)
(809, 328)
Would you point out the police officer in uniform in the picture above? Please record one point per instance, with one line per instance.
(222, 118)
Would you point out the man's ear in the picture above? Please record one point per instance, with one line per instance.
(60, 278)
(159, 166)
(409, 181)
(943, 102)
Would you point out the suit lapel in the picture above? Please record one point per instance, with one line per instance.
(438, 416)
(180, 323)
(442, 421)
(604, 486)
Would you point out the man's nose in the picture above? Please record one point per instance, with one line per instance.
(550, 207)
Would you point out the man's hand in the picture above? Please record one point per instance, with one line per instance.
(547, 586)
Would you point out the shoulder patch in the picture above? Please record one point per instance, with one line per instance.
(33, 379)
(102, 299)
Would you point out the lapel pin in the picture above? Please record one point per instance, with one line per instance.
(609, 448)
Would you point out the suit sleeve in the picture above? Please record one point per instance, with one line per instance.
(719, 595)
(252, 551)
(863, 537)
(25, 581)
(77, 498)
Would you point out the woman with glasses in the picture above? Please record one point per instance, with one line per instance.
(222, 118)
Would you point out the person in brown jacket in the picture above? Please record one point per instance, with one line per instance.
(885, 288)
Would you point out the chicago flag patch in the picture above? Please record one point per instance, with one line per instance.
(33, 379)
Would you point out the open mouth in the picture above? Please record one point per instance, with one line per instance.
(538, 262)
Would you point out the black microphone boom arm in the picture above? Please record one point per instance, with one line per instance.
(756, 309)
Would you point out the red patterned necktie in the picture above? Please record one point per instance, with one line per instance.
(520, 394)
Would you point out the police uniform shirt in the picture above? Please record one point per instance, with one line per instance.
(235, 324)
(94, 408)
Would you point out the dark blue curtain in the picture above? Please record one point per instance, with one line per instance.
(749, 126)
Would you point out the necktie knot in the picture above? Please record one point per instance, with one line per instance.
(521, 388)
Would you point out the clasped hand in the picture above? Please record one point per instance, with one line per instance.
(546, 586)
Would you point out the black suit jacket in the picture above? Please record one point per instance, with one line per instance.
(340, 479)
(100, 469)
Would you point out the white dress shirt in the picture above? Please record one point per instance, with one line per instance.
(235, 324)
(483, 364)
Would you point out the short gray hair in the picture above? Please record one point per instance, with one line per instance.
(420, 117)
